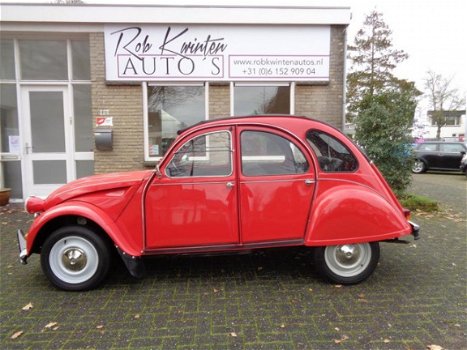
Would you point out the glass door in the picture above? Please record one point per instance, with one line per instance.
(47, 141)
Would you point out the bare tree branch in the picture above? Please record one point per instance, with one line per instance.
(442, 98)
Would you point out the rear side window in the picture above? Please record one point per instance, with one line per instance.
(452, 148)
(333, 155)
(427, 147)
(264, 153)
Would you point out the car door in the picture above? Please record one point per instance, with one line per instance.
(429, 153)
(450, 155)
(194, 201)
(276, 181)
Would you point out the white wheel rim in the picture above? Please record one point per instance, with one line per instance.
(348, 260)
(73, 259)
(418, 166)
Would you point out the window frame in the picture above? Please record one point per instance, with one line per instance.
(297, 146)
(291, 86)
(231, 150)
(144, 87)
(313, 148)
(19, 83)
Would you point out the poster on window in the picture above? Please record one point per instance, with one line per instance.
(217, 53)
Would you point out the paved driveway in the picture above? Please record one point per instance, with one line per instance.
(266, 300)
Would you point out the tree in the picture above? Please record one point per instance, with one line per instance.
(442, 98)
(381, 105)
(373, 60)
(383, 130)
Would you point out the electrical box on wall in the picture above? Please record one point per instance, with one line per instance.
(104, 139)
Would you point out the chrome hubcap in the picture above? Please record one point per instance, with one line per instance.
(348, 260)
(347, 254)
(74, 259)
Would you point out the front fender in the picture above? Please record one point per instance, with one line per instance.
(352, 213)
(90, 212)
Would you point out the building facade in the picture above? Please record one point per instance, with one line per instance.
(93, 89)
(453, 126)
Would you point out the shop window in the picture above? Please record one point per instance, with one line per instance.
(171, 108)
(84, 168)
(9, 131)
(333, 156)
(83, 118)
(264, 153)
(253, 100)
(205, 155)
(10, 170)
(7, 60)
(43, 59)
(81, 60)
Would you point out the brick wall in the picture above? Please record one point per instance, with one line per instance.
(325, 102)
(219, 101)
(125, 105)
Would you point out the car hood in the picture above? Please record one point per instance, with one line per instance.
(96, 183)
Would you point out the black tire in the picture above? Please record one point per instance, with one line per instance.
(418, 166)
(75, 258)
(347, 264)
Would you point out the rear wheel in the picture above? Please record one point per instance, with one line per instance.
(348, 263)
(418, 167)
(75, 258)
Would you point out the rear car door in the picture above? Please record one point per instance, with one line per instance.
(450, 155)
(276, 181)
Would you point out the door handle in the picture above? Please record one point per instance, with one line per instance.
(230, 185)
(308, 182)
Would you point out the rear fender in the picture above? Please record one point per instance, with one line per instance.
(351, 213)
(87, 211)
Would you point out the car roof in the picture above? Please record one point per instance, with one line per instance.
(289, 122)
(441, 142)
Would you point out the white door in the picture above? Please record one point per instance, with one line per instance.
(48, 146)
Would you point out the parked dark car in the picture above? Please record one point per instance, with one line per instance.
(438, 155)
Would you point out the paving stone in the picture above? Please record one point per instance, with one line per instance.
(415, 298)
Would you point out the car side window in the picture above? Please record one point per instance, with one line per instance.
(451, 148)
(427, 147)
(264, 153)
(205, 155)
(333, 155)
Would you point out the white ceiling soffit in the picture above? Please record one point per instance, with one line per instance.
(165, 13)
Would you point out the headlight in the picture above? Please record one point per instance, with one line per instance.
(34, 205)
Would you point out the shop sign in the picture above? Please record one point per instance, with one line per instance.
(217, 53)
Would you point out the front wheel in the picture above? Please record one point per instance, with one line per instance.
(348, 263)
(418, 167)
(75, 258)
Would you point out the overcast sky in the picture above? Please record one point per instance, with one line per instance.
(432, 32)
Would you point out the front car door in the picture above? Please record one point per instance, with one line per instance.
(194, 202)
(276, 181)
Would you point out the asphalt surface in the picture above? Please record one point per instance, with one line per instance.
(266, 300)
(450, 189)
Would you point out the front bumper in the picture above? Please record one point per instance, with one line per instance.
(23, 252)
(415, 230)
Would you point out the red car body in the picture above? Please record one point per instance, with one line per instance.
(238, 202)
